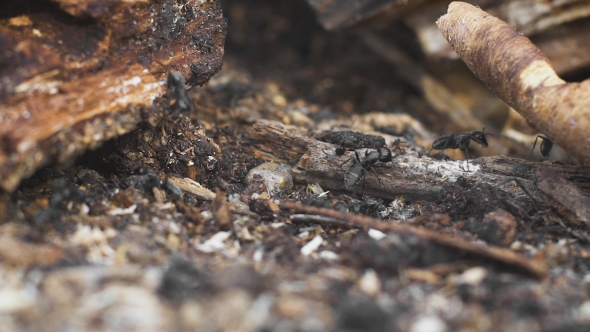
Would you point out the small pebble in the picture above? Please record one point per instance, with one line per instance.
(329, 255)
(376, 235)
(276, 177)
(429, 324)
(473, 276)
(312, 245)
(369, 283)
(215, 243)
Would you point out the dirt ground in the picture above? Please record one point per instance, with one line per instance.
(109, 243)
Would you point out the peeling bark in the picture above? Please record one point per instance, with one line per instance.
(82, 72)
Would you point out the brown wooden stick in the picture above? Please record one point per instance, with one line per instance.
(516, 70)
(536, 268)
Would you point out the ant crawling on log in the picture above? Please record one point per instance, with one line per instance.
(179, 98)
(359, 168)
(545, 146)
(461, 141)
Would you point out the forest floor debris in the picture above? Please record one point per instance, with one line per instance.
(485, 244)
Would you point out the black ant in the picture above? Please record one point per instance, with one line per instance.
(545, 146)
(359, 168)
(179, 98)
(461, 141)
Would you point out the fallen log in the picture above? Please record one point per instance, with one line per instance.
(411, 175)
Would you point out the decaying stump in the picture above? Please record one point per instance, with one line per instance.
(510, 65)
(77, 74)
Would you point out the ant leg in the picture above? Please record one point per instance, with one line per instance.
(535, 144)
(377, 175)
(452, 138)
(428, 154)
(356, 154)
(347, 160)
(363, 190)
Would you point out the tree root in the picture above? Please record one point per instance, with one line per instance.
(518, 72)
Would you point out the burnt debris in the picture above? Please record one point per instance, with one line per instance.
(352, 140)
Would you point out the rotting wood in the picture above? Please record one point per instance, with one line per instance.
(102, 73)
(506, 256)
(409, 175)
(55, 127)
(517, 71)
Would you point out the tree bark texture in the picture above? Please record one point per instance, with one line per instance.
(75, 74)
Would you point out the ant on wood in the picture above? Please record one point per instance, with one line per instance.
(359, 168)
(179, 98)
(461, 141)
(545, 146)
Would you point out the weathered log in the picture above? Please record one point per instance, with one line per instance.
(412, 176)
(78, 74)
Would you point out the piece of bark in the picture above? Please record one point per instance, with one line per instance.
(193, 187)
(564, 197)
(16, 252)
(53, 128)
(72, 82)
(410, 176)
(517, 71)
